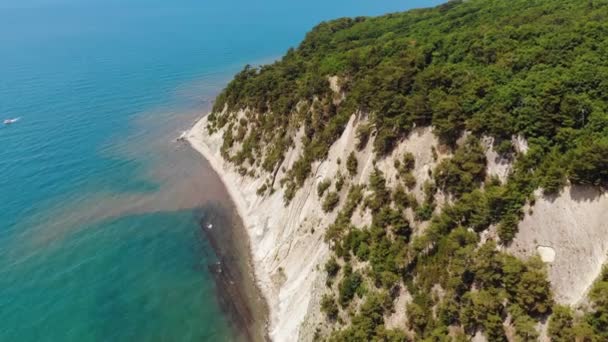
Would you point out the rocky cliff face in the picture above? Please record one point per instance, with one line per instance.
(570, 232)
(287, 241)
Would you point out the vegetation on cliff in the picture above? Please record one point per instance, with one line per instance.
(503, 68)
(536, 69)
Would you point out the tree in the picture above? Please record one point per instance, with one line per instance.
(590, 162)
(560, 324)
(488, 267)
(463, 172)
(352, 164)
(525, 326)
(349, 286)
(483, 309)
(534, 290)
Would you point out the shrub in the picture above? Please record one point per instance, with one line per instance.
(505, 148)
(424, 212)
(329, 307)
(418, 317)
(332, 267)
(408, 162)
(507, 228)
(409, 180)
(380, 195)
(290, 192)
(330, 202)
(339, 182)
(553, 180)
(262, 189)
(352, 164)
(321, 187)
(363, 133)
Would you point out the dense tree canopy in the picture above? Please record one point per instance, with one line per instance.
(535, 68)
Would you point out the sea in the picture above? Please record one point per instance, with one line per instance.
(110, 229)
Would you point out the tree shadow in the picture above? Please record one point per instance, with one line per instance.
(585, 193)
(577, 193)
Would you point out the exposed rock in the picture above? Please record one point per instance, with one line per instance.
(572, 230)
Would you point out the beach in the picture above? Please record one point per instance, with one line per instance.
(236, 290)
(196, 139)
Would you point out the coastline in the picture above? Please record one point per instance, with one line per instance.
(237, 291)
(193, 137)
(285, 242)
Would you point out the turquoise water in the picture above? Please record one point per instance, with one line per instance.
(99, 208)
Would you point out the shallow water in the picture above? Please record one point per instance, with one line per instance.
(99, 206)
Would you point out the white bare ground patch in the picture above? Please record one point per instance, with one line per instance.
(570, 232)
(543, 333)
(496, 165)
(362, 218)
(334, 85)
(479, 337)
(398, 318)
(520, 144)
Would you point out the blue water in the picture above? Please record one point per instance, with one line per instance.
(99, 209)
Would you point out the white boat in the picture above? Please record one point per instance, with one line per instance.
(10, 121)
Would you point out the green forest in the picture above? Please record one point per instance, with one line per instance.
(531, 68)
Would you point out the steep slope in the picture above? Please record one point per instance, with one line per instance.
(573, 228)
(402, 174)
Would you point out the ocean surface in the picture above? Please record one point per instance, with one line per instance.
(100, 208)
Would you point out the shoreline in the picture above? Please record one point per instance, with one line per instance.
(237, 290)
(189, 136)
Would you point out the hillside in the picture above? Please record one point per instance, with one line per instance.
(399, 161)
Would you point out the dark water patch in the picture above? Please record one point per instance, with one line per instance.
(237, 290)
